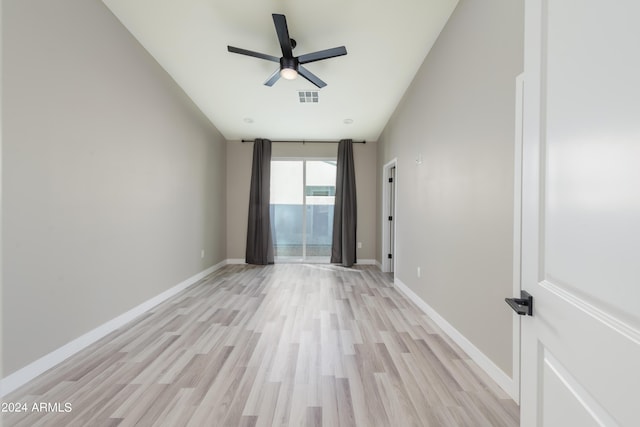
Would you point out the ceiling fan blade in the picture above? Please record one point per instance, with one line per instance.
(311, 77)
(252, 53)
(283, 35)
(274, 78)
(322, 54)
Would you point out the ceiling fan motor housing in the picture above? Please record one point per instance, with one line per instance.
(289, 63)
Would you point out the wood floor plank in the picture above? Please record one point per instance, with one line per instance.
(298, 412)
(330, 417)
(314, 416)
(280, 345)
(282, 408)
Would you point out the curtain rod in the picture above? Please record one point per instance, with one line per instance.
(310, 142)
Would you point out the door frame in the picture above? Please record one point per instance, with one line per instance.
(517, 231)
(389, 265)
(304, 259)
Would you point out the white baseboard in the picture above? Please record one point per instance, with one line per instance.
(308, 261)
(498, 375)
(29, 372)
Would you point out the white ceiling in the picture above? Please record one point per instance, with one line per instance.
(386, 42)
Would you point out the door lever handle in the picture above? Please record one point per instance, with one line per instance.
(523, 305)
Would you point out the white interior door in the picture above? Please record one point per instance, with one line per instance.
(392, 219)
(389, 187)
(581, 213)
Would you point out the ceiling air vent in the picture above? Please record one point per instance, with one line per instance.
(308, 96)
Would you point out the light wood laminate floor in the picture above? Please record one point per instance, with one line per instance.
(281, 345)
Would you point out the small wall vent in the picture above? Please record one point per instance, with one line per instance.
(308, 96)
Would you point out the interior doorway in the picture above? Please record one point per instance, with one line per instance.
(389, 214)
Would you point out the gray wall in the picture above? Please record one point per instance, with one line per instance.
(113, 181)
(239, 157)
(238, 180)
(454, 212)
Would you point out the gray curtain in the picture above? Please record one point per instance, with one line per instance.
(259, 240)
(345, 213)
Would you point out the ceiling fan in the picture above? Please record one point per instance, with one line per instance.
(291, 66)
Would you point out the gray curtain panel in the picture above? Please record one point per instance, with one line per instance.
(345, 213)
(259, 240)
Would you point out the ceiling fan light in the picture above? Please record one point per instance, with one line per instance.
(288, 73)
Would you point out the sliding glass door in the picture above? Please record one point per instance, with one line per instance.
(302, 198)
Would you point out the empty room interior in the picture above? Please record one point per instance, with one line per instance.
(317, 213)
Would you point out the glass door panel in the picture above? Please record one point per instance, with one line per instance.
(320, 194)
(287, 209)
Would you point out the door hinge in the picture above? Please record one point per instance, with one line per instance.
(389, 256)
(390, 179)
(390, 218)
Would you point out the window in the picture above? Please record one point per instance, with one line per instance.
(302, 198)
